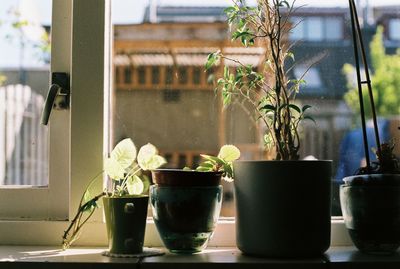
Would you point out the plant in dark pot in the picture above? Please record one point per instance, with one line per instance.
(283, 204)
(125, 201)
(186, 203)
(370, 200)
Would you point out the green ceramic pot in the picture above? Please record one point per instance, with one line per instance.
(283, 207)
(186, 207)
(371, 211)
(126, 223)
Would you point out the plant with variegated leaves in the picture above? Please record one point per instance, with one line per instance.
(221, 163)
(124, 169)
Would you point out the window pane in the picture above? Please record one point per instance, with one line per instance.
(394, 29)
(334, 29)
(24, 81)
(315, 29)
(182, 115)
(297, 32)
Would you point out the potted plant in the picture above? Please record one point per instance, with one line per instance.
(125, 201)
(370, 199)
(283, 204)
(186, 203)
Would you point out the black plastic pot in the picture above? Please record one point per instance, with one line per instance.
(186, 207)
(283, 207)
(371, 211)
(126, 223)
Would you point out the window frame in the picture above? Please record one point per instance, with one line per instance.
(89, 40)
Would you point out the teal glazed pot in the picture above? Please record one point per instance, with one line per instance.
(371, 211)
(283, 208)
(186, 207)
(126, 223)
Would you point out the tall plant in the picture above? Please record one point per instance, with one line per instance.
(269, 92)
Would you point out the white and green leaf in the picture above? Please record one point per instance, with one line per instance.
(114, 169)
(124, 153)
(148, 159)
(134, 185)
(229, 153)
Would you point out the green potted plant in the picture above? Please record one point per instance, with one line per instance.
(186, 203)
(370, 199)
(125, 201)
(283, 204)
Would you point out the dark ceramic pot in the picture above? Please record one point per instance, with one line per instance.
(283, 207)
(186, 207)
(126, 223)
(371, 211)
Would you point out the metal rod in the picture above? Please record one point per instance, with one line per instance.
(360, 97)
(368, 80)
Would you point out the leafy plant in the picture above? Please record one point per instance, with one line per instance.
(124, 168)
(221, 163)
(386, 163)
(269, 92)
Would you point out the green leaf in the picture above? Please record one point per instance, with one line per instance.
(187, 168)
(86, 196)
(148, 158)
(229, 10)
(207, 164)
(290, 55)
(212, 59)
(305, 108)
(310, 118)
(113, 169)
(213, 159)
(134, 185)
(203, 169)
(293, 106)
(124, 153)
(284, 3)
(229, 153)
(268, 107)
(228, 170)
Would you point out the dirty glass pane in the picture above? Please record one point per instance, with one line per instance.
(24, 79)
(181, 114)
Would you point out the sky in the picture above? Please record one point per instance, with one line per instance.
(123, 12)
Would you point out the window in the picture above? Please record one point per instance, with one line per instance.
(317, 28)
(128, 74)
(75, 136)
(333, 28)
(85, 131)
(394, 29)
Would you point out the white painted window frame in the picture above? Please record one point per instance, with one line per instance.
(85, 55)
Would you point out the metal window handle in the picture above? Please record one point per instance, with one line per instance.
(58, 95)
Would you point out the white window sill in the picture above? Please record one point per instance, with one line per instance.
(52, 257)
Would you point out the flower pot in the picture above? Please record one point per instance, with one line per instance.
(371, 211)
(186, 207)
(283, 207)
(126, 223)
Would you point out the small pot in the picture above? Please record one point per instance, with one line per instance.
(371, 211)
(126, 223)
(186, 207)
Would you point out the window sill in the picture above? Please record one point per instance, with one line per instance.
(48, 257)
